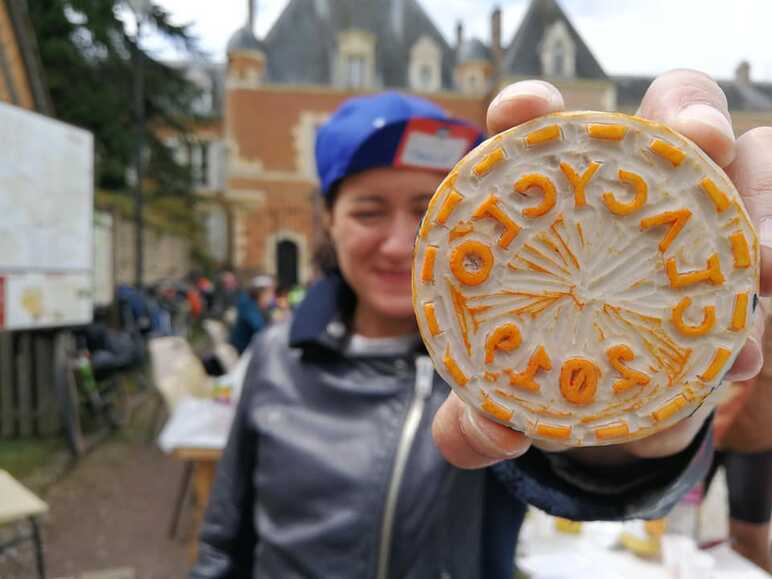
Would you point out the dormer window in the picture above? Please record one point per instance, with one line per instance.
(558, 53)
(425, 69)
(356, 60)
(426, 75)
(472, 78)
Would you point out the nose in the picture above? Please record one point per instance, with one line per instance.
(400, 237)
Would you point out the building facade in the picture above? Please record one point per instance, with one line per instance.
(21, 73)
(262, 213)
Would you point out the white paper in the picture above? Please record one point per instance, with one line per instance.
(197, 423)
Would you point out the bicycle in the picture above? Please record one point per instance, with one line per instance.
(92, 406)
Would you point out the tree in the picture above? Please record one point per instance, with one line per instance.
(87, 55)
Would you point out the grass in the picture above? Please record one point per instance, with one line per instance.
(25, 457)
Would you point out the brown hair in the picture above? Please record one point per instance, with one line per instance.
(325, 256)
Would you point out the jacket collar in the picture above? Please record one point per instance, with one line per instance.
(320, 317)
(323, 317)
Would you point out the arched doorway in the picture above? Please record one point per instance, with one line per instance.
(287, 263)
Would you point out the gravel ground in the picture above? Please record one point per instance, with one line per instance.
(109, 516)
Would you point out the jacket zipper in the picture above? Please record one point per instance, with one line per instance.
(424, 380)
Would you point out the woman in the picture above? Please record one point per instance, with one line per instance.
(331, 470)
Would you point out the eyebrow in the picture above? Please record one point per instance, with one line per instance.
(368, 199)
(419, 198)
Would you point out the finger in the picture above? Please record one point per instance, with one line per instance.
(676, 438)
(671, 440)
(751, 173)
(521, 102)
(693, 104)
(751, 358)
(469, 440)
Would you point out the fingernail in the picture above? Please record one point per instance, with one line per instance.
(707, 115)
(483, 432)
(529, 89)
(765, 231)
(748, 363)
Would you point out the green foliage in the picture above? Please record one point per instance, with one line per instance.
(90, 60)
(172, 215)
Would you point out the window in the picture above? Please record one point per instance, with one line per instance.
(199, 164)
(426, 75)
(473, 77)
(304, 134)
(356, 71)
(558, 57)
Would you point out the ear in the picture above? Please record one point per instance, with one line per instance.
(327, 219)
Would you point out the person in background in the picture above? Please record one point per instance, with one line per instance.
(195, 302)
(206, 288)
(226, 293)
(331, 468)
(253, 311)
(296, 296)
(281, 310)
(743, 432)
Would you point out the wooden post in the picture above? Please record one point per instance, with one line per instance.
(6, 385)
(25, 409)
(47, 423)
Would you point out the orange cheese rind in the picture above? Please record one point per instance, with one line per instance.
(586, 278)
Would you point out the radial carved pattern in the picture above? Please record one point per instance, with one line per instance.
(585, 277)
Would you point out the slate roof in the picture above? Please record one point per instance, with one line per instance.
(302, 44)
(472, 49)
(630, 90)
(523, 55)
(301, 47)
(740, 97)
(244, 39)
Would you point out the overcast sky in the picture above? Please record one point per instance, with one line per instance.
(626, 36)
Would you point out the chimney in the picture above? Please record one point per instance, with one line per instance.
(251, 10)
(742, 74)
(496, 48)
(459, 34)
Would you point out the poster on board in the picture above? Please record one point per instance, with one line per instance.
(46, 204)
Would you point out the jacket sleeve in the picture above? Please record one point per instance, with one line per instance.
(646, 489)
(252, 316)
(228, 539)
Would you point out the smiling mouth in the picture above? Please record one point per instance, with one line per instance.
(401, 273)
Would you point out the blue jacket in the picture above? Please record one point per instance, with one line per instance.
(249, 321)
(315, 452)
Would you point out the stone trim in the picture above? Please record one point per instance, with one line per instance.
(304, 141)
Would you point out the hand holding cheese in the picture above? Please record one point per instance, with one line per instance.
(588, 279)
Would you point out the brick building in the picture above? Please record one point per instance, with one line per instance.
(21, 73)
(257, 154)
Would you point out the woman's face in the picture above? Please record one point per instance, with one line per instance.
(373, 224)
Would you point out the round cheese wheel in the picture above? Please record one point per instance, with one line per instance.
(586, 278)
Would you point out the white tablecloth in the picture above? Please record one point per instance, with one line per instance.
(547, 554)
(203, 422)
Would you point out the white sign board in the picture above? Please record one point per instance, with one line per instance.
(46, 202)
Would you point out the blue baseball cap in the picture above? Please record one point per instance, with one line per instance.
(390, 129)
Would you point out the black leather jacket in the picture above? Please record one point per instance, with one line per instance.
(330, 471)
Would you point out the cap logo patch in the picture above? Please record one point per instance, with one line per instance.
(433, 145)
